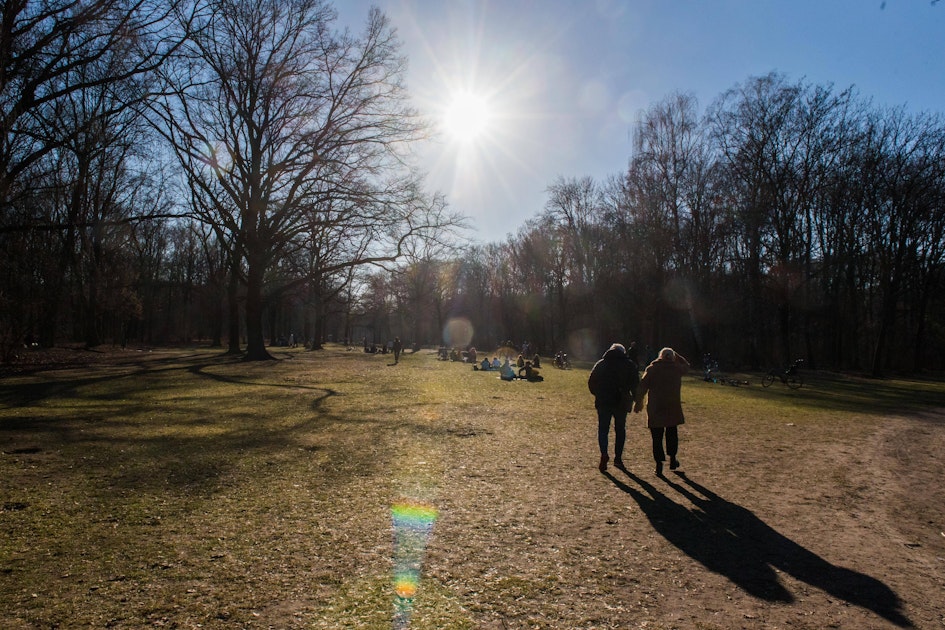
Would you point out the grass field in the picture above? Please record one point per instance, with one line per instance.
(186, 489)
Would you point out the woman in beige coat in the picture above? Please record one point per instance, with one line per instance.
(660, 386)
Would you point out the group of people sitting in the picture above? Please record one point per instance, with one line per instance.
(485, 365)
(455, 354)
(527, 370)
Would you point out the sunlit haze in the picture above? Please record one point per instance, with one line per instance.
(523, 92)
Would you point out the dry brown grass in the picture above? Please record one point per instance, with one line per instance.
(186, 489)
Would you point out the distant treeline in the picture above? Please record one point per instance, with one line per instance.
(787, 221)
(239, 174)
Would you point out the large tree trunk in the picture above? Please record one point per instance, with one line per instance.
(255, 340)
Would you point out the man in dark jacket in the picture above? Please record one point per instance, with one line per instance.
(613, 381)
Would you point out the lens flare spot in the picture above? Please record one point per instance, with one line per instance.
(458, 332)
(405, 589)
(583, 343)
(413, 514)
(413, 523)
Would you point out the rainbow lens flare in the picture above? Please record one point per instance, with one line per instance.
(413, 524)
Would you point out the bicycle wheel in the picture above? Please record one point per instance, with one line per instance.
(795, 381)
(767, 380)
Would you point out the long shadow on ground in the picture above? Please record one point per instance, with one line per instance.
(731, 541)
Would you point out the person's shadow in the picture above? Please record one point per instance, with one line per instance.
(731, 541)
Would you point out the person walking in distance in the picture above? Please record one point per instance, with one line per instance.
(660, 386)
(613, 382)
(398, 348)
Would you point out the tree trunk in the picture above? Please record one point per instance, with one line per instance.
(879, 351)
(318, 326)
(91, 325)
(216, 315)
(919, 345)
(255, 340)
(234, 311)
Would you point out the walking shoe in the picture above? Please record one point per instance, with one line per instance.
(659, 469)
(618, 463)
(673, 463)
(603, 463)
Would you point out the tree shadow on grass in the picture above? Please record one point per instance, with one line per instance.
(730, 540)
(64, 379)
(171, 438)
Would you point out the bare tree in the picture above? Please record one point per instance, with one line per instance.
(52, 49)
(279, 117)
(674, 180)
(903, 218)
(69, 74)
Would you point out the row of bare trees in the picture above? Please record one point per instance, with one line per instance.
(787, 221)
(171, 170)
(71, 182)
(235, 171)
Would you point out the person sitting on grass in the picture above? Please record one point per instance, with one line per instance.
(530, 373)
(485, 366)
(506, 373)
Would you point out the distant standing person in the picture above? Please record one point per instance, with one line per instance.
(613, 382)
(661, 386)
(398, 347)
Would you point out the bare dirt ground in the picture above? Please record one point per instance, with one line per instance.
(835, 537)
(769, 524)
(789, 526)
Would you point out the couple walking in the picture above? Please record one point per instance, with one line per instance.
(618, 388)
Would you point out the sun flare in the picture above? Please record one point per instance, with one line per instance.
(466, 117)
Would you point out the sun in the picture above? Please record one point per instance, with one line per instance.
(467, 117)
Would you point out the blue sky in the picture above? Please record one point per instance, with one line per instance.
(564, 80)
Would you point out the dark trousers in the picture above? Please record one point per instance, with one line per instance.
(672, 442)
(604, 414)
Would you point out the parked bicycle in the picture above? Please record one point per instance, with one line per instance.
(791, 376)
(710, 368)
(712, 374)
(561, 360)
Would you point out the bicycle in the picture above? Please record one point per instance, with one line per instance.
(712, 374)
(561, 361)
(791, 376)
(710, 368)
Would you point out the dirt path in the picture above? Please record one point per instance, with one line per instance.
(808, 536)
